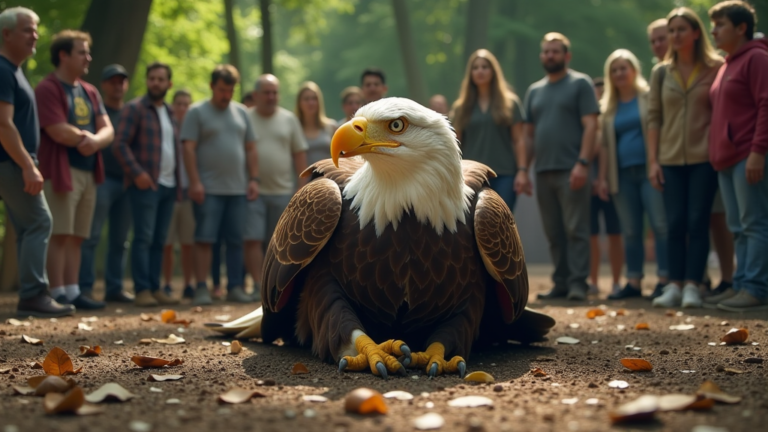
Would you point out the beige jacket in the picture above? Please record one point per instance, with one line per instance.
(608, 138)
(682, 116)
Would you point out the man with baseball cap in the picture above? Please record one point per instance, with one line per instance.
(111, 202)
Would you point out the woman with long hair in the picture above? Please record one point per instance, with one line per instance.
(318, 129)
(624, 168)
(679, 114)
(488, 119)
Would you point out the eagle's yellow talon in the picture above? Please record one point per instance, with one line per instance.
(433, 361)
(377, 357)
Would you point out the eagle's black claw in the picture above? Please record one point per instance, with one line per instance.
(382, 369)
(402, 371)
(342, 365)
(406, 354)
(433, 370)
(462, 369)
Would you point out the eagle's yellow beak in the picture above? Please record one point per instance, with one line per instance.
(351, 139)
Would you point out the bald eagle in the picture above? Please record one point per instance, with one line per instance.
(398, 246)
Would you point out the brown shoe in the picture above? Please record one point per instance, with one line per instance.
(164, 299)
(43, 306)
(145, 298)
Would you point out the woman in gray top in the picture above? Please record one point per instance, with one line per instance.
(488, 119)
(318, 129)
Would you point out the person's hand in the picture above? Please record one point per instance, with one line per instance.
(253, 190)
(656, 176)
(601, 189)
(196, 192)
(87, 145)
(755, 168)
(578, 176)
(33, 180)
(523, 184)
(144, 182)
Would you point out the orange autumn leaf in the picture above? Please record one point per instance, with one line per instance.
(153, 362)
(621, 312)
(735, 336)
(299, 369)
(538, 373)
(642, 326)
(168, 316)
(184, 322)
(31, 340)
(636, 364)
(593, 313)
(56, 403)
(365, 401)
(86, 351)
(58, 362)
(146, 317)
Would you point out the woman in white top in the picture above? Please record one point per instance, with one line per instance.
(318, 129)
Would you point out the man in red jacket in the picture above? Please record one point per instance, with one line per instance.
(738, 141)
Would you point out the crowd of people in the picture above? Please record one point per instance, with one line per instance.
(686, 151)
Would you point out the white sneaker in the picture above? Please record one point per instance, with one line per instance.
(691, 296)
(616, 288)
(670, 298)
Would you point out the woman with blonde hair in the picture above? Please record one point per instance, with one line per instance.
(624, 168)
(679, 113)
(488, 119)
(318, 129)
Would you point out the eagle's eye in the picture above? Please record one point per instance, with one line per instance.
(398, 126)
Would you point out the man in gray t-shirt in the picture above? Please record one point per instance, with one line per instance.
(561, 120)
(222, 166)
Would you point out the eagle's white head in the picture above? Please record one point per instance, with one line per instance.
(413, 163)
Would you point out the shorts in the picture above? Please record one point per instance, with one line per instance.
(717, 205)
(182, 228)
(220, 217)
(611, 218)
(72, 211)
(262, 215)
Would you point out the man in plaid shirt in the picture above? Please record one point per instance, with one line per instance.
(147, 146)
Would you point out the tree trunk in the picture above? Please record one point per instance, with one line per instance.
(478, 13)
(234, 50)
(416, 89)
(266, 38)
(117, 29)
(9, 268)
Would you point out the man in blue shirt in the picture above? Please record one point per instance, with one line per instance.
(21, 183)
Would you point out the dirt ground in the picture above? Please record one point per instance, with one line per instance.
(682, 361)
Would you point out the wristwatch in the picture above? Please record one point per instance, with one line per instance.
(583, 161)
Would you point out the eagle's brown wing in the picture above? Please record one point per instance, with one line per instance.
(502, 252)
(304, 228)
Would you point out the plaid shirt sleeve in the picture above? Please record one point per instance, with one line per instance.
(124, 137)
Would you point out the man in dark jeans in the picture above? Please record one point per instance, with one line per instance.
(111, 202)
(148, 148)
(21, 183)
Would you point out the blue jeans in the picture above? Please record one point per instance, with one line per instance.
(152, 211)
(746, 212)
(505, 187)
(689, 192)
(31, 218)
(111, 202)
(224, 216)
(636, 197)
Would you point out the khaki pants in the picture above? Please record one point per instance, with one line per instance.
(182, 228)
(72, 211)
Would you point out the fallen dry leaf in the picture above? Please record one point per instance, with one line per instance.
(735, 336)
(14, 322)
(299, 369)
(712, 391)
(479, 377)
(365, 401)
(161, 378)
(145, 342)
(31, 340)
(676, 402)
(594, 313)
(621, 312)
(399, 395)
(89, 319)
(86, 351)
(642, 326)
(429, 421)
(42, 385)
(538, 373)
(56, 403)
(636, 364)
(110, 391)
(640, 409)
(172, 339)
(618, 384)
(239, 395)
(167, 316)
(37, 365)
(146, 317)
(733, 371)
(184, 322)
(470, 402)
(314, 398)
(58, 362)
(84, 326)
(235, 347)
(567, 340)
(682, 327)
(153, 362)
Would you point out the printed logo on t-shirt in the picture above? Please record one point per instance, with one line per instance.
(82, 111)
